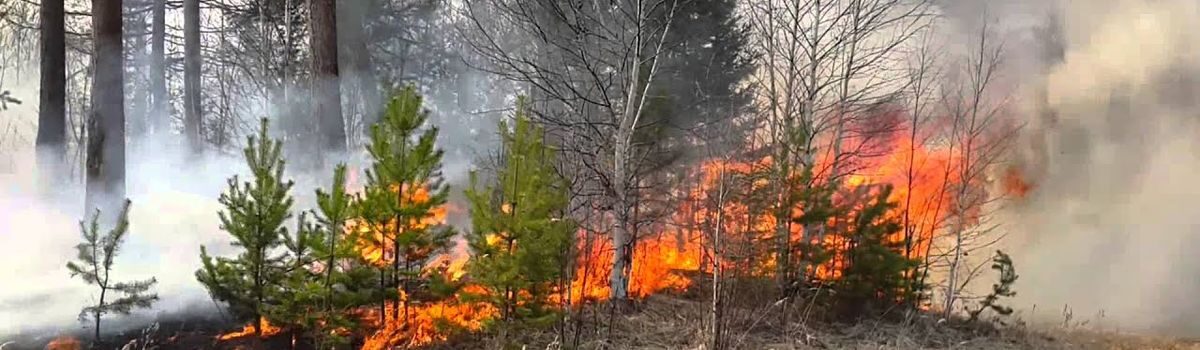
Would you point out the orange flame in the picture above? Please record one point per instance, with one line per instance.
(666, 257)
(1015, 183)
(375, 245)
(921, 176)
(64, 343)
(268, 330)
(428, 323)
(420, 323)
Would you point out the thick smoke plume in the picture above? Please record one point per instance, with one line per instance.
(1110, 97)
(1112, 142)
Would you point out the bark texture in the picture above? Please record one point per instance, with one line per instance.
(326, 87)
(192, 118)
(52, 117)
(106, 124)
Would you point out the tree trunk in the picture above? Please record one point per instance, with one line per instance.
(106, 125)
(99, 313)
(326, 87)
(621, 235)
(192, 119)
(158, 72)
(52, 117)
(716, 265)
(137, 102)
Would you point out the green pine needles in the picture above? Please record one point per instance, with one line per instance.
(255, 213)
(404, 190)
(521, 234)
(874, 271)
(1003, 265)
(95, 257)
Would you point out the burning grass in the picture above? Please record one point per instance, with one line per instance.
(268, 330)
(667, 258)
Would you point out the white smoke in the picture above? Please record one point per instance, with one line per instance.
(174, 212)
(1112, 143)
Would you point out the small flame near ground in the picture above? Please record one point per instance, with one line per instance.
(268, 330)
(64, 343)
(429, 323)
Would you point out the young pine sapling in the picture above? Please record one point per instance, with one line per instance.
(255, 212)
(1003, 264)
(95, 266)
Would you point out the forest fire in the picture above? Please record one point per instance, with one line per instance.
(428, 323)
(1015, 183)
(666, 257)
(268, 330)
(64, 343)
(418, 323)
(660, 264)
(373, 241)
(920, 176)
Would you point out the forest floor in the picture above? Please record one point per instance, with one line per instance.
(666, 322)
(681, 322)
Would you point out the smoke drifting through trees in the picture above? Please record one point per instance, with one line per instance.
(175, 186)
(1094, 113)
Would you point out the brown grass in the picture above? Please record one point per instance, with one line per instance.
(671, 322)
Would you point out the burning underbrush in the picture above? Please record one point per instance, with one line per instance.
(914, 182)
(380, 268)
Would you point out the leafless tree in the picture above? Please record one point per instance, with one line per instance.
(978, 134)
(591, 66)
(824, 65)
(359, 82)
(924, 71)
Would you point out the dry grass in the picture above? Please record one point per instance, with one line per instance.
(666, 322)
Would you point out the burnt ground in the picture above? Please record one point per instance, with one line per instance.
(189, 329)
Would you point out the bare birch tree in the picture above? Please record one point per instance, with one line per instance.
(594, 63)
(823, 65)
(978, 135)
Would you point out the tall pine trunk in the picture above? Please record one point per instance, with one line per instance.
(158, 71)
(106, 125)
(327, 96)
(52, 117)
(192, 120)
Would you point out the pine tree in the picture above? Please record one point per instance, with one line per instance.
(873, 266)
(403, 191)
(323, 283)
(255, 212)
(95, 264)
(521, 235)
(1003, 264)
